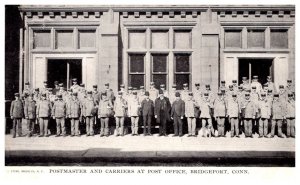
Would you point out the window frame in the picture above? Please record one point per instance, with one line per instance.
(166, 73)
(236, 29)
(136, 73)
(182, 73)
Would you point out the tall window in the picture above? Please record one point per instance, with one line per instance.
(182, 69)
(233, 38)
(136, 70)
(279, 38)
(159, 69)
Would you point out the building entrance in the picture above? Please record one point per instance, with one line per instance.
(63, 71)
(256, 67)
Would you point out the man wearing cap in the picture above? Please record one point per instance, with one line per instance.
(233, 110)
(209, 92)
(147, 107)
(185, 92)
(278, 115)
(44, 89)
(177, 113)
(270, 84)
(256, 84)
(282, 94)
(153, 92)
(191, 113)
(16, 114)
(290, 88)
(129, 94)
(43, 112)
(59, 113)
(141, 95)
(235, 86)
(220, 113)
(75, 113)
(90, 111)
(134, 112)
(96, 94)
(163, 88)
(82, 93)
(30, 114)
(104, 113)
(109, 93)
(270, 96)
(223, 86)
(36, 95)
(124, 92)
(197, 92)
(56, 87)
(229, 93)
(264, 115)
(245, 83)
(172, 93)
(248, 110)
(52, 98)
(290, 115)
(205, 106)
(120, 106)
(75, 87)
(27, 89)
(162, 112)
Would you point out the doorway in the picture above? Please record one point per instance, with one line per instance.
(63, 71)
(256, 67)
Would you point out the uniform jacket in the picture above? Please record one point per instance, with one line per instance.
(96, 95)
(119, 107)
(16, 109)
(290, 109)
(75, 88)
(55, 91)
(141, 97)
(190, 108)
(264, 109)
(59, 109)
(257, 85)
(162, 109)
(197, 94)
(278, 110)
(219, 108)
(43, 109)
(147, 107)
(249, 108)
(30, 109)
(90, 107)
(233, 108)
(178, 108)
(185, 95)
(205, 106)
(271, 86)
(172, 96)
(110, 95)
(74, 108)
(133, 107)
(105, 108)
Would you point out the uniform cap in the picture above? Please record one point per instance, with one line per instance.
(253, 87)
(289, 80)
(17, 94)
(255, 77)
(185, 85)
(177, 94)
(281, 87)
(265, 85)
(290, 95)
(74, 79)
(223, 81)
(61, 85)
(74, 94)
(234, 81)
(142, 87)
(134, 93)
(205, 94)
(269, 77)
(162, 85)
(55, 82)
(174, 86)
(230, 86)
(82, 85)
(244, 78)
(197, 84)
(233, 95)
(190, 94)
(70, 90)
(134, 88)
(276, 95)
(103, 93)
(89, 92)
(263, 94)
(160, 92)
(222, 90)
(247, 94)
(120, 93)
(37, 89)
(129, 88)
(270, 91)
(49, 89)
(122, 85)
(240, 87)
(220, 93)
(44, 94)
(147, 93)
(59, 96)
(151, 83)
(107, 84)
(95, 86)
(27, 83)
(207, 86)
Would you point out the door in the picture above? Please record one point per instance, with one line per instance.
(63, 71)
(256, 67)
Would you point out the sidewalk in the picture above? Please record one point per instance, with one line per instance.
(141, 148)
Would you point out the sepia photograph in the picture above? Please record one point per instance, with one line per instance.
(169, 85)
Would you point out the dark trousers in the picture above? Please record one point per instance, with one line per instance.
(17, 127)
(248, 127)
(147, 123)
(177, 125)
(163, 126)
(30, 126)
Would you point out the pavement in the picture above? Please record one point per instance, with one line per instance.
(149, 150)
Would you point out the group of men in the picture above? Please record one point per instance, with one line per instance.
(248, 104)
